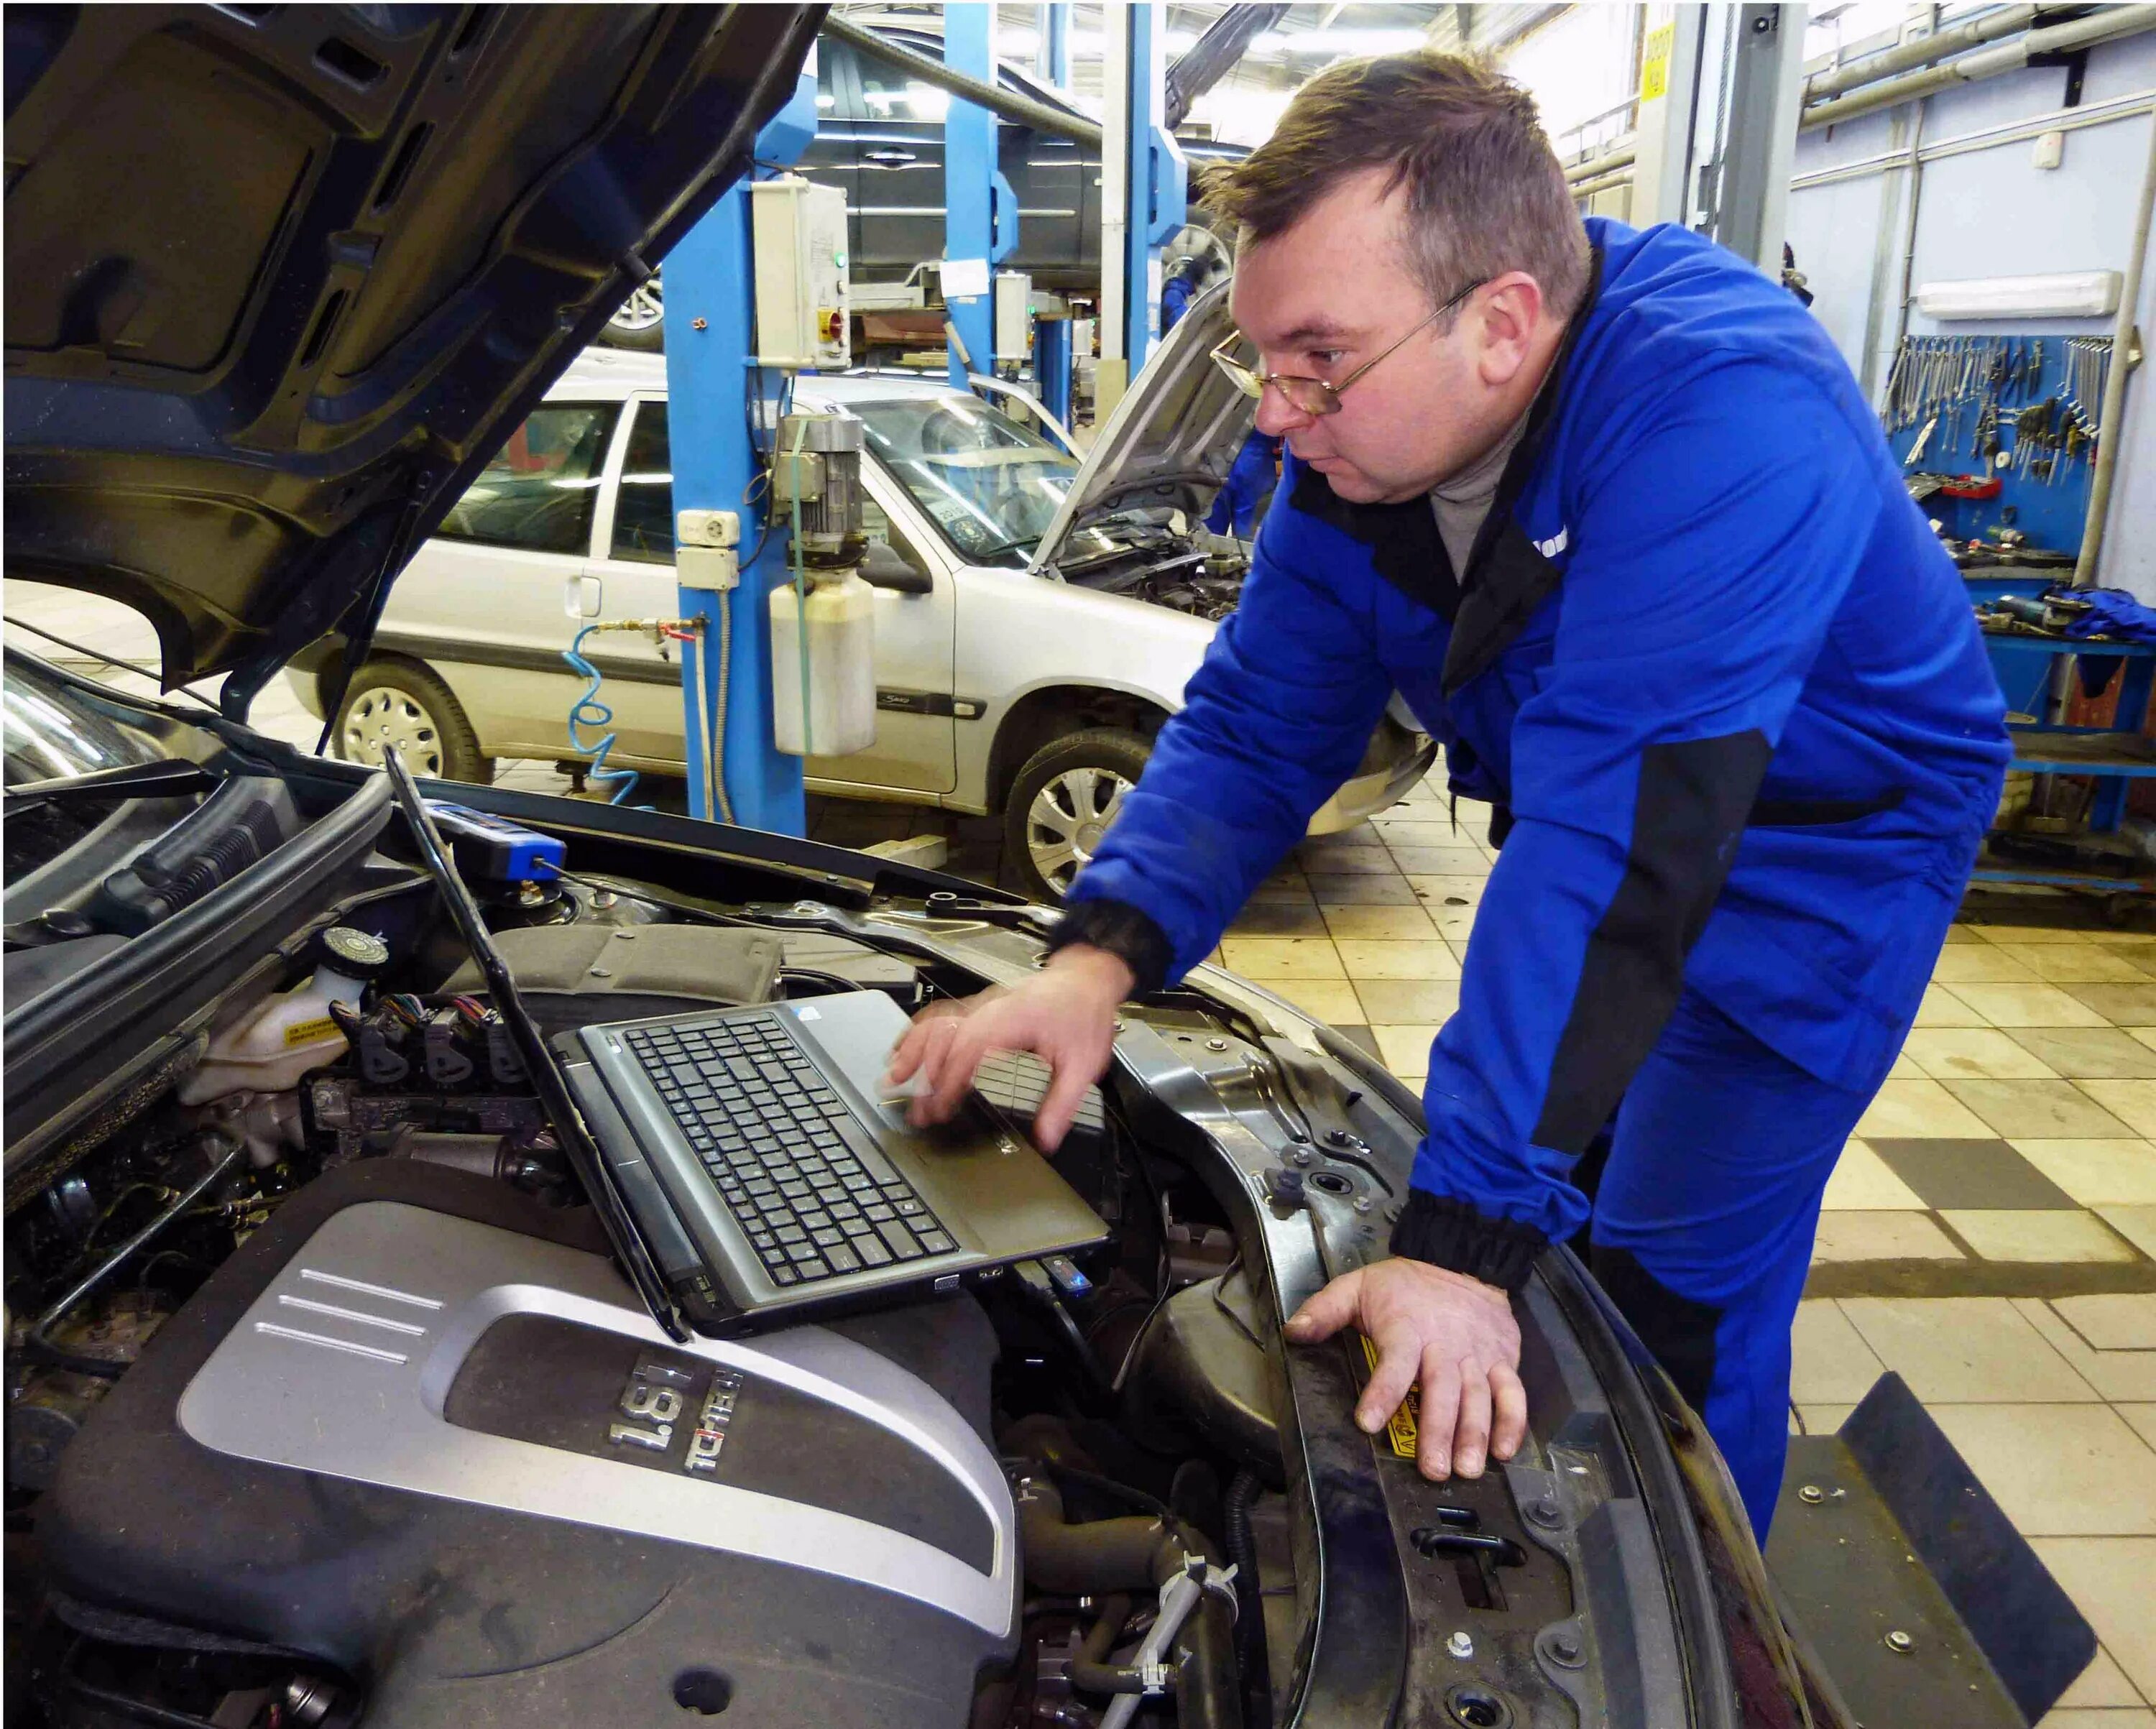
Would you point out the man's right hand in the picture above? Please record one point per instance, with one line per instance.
(1066, 1016)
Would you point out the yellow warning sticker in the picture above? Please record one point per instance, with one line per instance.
(1404, 1424)
(1655, 63)
(307, 1031)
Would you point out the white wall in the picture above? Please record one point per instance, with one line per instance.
(1990, 212)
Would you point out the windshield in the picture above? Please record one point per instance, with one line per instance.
(992, 487)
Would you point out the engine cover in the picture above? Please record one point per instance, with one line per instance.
(417, 1429)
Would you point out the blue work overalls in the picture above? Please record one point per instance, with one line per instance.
(1714, 666)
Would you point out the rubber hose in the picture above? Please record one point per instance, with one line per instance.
(1249, 1621)
(1104, 1555)
(1090, 1671)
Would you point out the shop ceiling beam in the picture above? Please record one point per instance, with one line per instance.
(1924, 51)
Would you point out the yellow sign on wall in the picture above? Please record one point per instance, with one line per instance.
(1655, 63)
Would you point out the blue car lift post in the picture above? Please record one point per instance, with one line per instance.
(980, 210)
(1147, 172)
(1051, 336)
(711, 381)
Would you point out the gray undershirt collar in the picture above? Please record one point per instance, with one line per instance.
(1462, 501)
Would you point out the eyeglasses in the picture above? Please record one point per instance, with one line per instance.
(1314, 396)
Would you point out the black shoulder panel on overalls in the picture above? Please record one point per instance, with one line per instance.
(1403, 539)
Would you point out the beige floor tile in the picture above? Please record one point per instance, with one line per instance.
(2102, 1686)
(2075, 1717)
(1978, 963)
(1365, 959)
(2051, 1236)
(2075, 1471)
(1828, 1360)
(1439, 887)
(2124, 1320)
(1372, 860)
(1911, 1109)
(2141, 1036)
(2089, 1052)
(1407, 830)
(1405, 1003)
(2136, 1223)
(2049, 1109)
(1442, 861)
(1406, 1048)
(1284, 918)
(1972, 1053)
(1289, 887)
(2073, 962)
(2096, 1172)
(1943, 1008)
(1881, 1236)
(2119, 1376)
(1330, 1000)
(1265, 958)
(2134, 1102)
(2123, 1005)
(1961, 935)
(2108, 1578)
(2142, 1419)
(1903, 1070)
(2123, 939)
(1822, 1419)
(1334, 889)
(2026, 1005)
(2012, 934)
(1968, 1350)
(1863, 1182)
(1379, 924)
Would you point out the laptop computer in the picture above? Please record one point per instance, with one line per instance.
(769, 1177)
(635, 1132)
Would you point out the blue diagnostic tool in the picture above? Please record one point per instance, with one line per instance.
(494, 849)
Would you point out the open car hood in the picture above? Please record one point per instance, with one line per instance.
(280, 279)
(1173, 436)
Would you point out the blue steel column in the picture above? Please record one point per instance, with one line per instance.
(1051, 336)
(711, 339)
(980, 211)
(1159, 183)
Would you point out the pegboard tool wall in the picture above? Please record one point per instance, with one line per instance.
(2038, 370)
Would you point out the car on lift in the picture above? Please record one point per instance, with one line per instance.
(1037, 615)
(285, 1176)
(879, 141)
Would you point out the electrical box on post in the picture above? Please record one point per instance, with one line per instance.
(1013, 291)
(799, 231)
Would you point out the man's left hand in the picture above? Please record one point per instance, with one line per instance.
(1453, 1335)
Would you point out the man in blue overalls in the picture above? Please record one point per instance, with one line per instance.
(1608, 509)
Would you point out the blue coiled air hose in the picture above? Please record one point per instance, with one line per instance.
(588, 711)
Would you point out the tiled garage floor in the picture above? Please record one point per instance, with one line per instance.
(1990, 1234)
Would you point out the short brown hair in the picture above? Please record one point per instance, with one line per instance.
(1486, 193)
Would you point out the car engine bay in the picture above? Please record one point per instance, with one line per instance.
(1153, 554)
(326, 1404)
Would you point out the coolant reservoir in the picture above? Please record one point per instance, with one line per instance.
(840, 615)
(270, 1049)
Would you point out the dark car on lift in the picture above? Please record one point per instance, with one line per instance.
(879, 140)
(244, 379)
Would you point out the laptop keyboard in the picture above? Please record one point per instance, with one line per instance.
(810, 1189)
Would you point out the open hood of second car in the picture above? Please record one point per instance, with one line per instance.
(1173, 436)
(281, 278)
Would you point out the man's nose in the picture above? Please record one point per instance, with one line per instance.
(1277, 416)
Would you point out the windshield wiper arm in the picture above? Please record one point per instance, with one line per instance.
(170, 779)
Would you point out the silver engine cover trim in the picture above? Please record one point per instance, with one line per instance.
(344, 1364)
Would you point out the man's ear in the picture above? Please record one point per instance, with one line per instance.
(1512, 312)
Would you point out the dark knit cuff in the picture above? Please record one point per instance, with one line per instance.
(1131, 936)
(1452, 1234)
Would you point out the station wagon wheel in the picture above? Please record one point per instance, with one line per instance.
(639, 321)
(393, 702)
(1063, 803)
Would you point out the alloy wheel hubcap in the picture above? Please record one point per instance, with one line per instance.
(1068, 818)
(642, 310)
(383, 716)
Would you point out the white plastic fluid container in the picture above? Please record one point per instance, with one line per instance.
(841, 621)
(278, 1043)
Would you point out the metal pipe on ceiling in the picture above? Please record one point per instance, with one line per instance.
(1924, 51)
(2107, 25)
(1020, 110)
(1601, 183)
(1595, 167)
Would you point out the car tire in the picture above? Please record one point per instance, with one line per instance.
(397, 702)
(639, 323)
(1062, 801)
